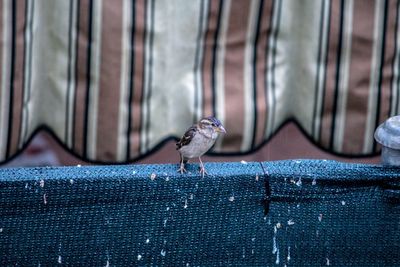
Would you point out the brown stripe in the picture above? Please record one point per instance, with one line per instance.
(138, 50)
(330, 82)
(18, 82)
(234, 62)
(209, 43)
(265, 29)
(110, 76)
(81, 74)
(359, 76)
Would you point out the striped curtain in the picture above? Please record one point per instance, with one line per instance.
(112, 80)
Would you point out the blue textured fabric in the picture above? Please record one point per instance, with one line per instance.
(286, 213)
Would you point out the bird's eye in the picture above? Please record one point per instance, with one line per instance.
(213, 125)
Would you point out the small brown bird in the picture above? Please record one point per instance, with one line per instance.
(197, 140)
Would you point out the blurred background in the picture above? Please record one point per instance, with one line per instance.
(43, 150)
(105, 82)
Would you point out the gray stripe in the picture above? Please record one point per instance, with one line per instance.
(95, 80)
(249, 104)
(30, 9)
(271, 64)
(220, 69)
(343, 85)
(147, 81)
(373, 88)
(396, 75)
(198, 86)
(5, 72)
(321, 69)
(127, 50)
(71, 86)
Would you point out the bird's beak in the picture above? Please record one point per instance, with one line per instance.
(221, 129)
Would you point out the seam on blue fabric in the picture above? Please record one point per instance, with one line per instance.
(267, 186)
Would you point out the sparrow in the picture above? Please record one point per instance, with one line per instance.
(197, 140)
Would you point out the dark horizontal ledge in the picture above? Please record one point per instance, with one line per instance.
(291, 179)
(307, 169)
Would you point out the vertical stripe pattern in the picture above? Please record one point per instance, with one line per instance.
(5, 59)
(342, 77)
(109, 80)
(147, 75)
(395, 92)
(320, 73)
(137, 76)
(271, 77)
(71, 73)
(113, 80)
(260, 52)
(374, 86)
(27, 80)
(125, 79)
(16, 75)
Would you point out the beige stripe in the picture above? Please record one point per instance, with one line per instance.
(172, 82)
(48, 67)
(296, 62)
(220, 61)
(5, 7)
(124, 85)
(95, 79)
(344, 76)
(373, 88)
(180, 76)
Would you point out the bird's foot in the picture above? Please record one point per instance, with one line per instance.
(182, 169)
(202, 171)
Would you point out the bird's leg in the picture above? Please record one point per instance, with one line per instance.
(202, 169)
(182, 166)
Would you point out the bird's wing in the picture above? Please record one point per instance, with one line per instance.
(187, 137)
